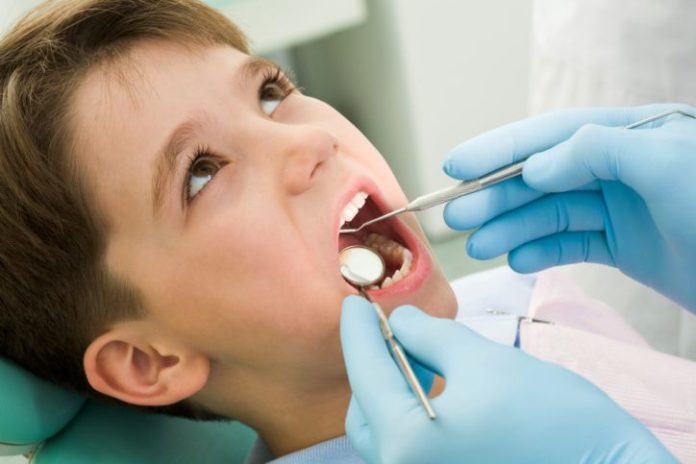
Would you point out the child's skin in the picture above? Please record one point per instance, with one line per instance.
(241, 284)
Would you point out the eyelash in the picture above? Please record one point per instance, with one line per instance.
(275, 76)
(271, 76)
(201, 151)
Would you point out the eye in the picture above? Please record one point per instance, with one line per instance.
(275, 87)
(202, 168)
(269, 105)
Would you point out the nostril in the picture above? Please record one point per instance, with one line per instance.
(316, 168)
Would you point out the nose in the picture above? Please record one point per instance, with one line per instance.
(306, 150)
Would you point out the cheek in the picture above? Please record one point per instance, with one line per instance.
(246, 287)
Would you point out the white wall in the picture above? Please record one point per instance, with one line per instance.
(11, 10)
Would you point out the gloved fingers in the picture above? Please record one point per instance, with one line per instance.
(370, 365)
(594, 152)
(562, 248)
(640, 158)
(549, 215)
(358, 430)
(507, 144)
(519, 140)
(442, 345)
(472, 210)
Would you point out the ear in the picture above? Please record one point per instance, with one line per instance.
(127, 364)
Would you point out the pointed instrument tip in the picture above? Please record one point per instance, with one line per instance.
(372, 221)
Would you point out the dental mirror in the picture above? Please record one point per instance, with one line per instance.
(361, 266)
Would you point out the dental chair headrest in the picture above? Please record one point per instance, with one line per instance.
(108, 434)
(72, 430)
(31, 409)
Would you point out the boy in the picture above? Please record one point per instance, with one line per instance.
(170, 212)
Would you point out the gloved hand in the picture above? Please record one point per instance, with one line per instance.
(591, 191)
(499, 404)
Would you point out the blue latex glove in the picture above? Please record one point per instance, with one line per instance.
(592, 192)
(499, 405)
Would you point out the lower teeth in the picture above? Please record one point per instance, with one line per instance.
(394, 252)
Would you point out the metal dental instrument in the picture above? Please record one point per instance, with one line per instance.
(470, 186)
(361, 267)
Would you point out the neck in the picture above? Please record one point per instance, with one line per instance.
(289, 412)
(314, 420)
(298, 423)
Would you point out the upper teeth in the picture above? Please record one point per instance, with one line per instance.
(353, 206)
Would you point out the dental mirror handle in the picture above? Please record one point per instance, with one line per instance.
(400, 357)
(462, 188)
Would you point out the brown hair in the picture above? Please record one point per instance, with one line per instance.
(56, 295)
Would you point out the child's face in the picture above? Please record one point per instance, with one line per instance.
(246, 269)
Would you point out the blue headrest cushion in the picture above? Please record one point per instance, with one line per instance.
(31, 409)
(108, 434)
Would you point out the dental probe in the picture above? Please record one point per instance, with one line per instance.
(447, 194)
(361, 267)
(470, 186)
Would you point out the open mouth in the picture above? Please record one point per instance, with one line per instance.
(388, 238)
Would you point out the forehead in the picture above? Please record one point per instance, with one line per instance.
(146, 79)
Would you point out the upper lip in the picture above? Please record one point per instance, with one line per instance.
(359, 185)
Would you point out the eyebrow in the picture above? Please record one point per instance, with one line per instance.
(176, 142)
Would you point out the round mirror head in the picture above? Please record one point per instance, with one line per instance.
(361, 266)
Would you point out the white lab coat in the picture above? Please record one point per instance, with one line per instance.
(612, 52)
(619, 53)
